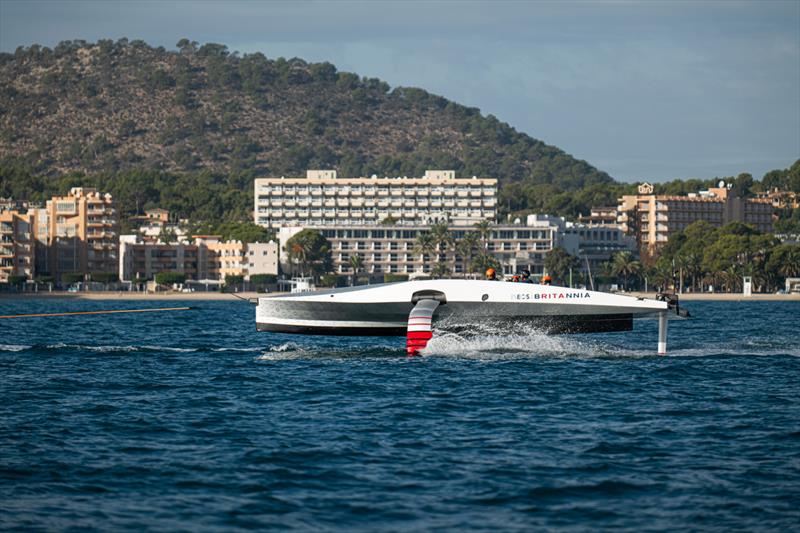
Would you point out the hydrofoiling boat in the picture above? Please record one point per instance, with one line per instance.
(411, 308)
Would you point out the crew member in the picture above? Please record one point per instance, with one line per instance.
(526, 277)
(546, 279)
(515, 278)
(491, 275)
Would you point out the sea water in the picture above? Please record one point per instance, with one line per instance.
(193, 421)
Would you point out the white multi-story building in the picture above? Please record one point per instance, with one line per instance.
(391, 249)
(322, 199)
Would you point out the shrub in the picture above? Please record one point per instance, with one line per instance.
(71, 277)
(170, 278)
(233, 280)
(263, 279)
(16, 280)
(104, 277)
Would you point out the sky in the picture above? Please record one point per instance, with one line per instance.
(642, 90)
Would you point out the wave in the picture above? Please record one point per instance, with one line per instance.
(14, 347)
(365, 349)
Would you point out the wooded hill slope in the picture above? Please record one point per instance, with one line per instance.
(115, 107)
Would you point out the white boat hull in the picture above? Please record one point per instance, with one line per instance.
(384, 309)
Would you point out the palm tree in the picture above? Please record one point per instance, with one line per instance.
(424, 245)
(625, 265)
(297, 256)
(356, 263)
(440, 270)
(441, 236)
(484, 229)
(465, 248)
(661, 276)
(790, 267)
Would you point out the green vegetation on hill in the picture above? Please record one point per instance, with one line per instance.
(189, 129)
(108, 108)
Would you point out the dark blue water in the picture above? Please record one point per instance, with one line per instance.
(193, 421)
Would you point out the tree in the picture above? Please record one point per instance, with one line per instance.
(356, 263)
(17, 281)
(484, 261)
(234, 281)
(261, 280)
(443, 240)
(465, 247)
(484, 229)
(167, 235)
(72, 277)
(784, 260)
(623, 264)
(424, 245)
(309, 251)
(104, 277)
(170, 278)
(244, 232)
(558, 262)
(440, 270)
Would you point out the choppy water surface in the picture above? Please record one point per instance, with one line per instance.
(193, 421)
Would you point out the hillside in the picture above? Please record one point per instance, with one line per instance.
(111, 108)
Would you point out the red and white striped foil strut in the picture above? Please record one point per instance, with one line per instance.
(419, 326)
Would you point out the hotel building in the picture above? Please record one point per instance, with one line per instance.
(653, 219)
(390, 249)
(322, 199)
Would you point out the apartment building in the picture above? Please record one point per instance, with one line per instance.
(652, 219)
(207, 258)
(77, 233)
(322, 199)
(17, 244)
(143, 260)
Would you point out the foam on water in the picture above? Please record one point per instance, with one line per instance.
(14, 347)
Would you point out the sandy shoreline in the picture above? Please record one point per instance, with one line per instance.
(726, 297)
(124, 296)
(216, 296)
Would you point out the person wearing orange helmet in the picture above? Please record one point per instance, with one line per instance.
(491, 275)
(546, 279)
